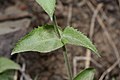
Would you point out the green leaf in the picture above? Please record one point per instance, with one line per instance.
(74, 37)
(87, 74)
(42, 39)
(48, 6)
(6, 64)
(7, 75)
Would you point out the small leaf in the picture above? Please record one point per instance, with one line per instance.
(7, 75)
(72, 36)
(6, 64)
(87, 74)
(42, 39)
(48, 6)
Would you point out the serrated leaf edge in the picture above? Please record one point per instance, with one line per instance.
(93, 46)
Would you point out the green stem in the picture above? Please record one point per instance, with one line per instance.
(67, 63)
(56, 26)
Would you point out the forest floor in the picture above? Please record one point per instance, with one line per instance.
(98, 19)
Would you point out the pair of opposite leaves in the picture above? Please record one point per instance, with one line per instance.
(44, 39)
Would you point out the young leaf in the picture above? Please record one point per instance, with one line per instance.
(72, 36)
(87, 74)
(48, 6)
(42, 39)
(6, 64)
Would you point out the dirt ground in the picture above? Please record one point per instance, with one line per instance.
(98, 19)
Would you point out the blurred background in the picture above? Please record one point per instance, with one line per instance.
(98, 19)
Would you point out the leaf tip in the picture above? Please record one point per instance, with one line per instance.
(96, 52)
(99, 55)
(12, 53)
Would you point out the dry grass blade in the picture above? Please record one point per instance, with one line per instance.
(83, 58)
(24, 75)
(94, 18)
(100, 21)
(15, 76)
(82, 3)
(69, 15)
(109, 69)
(109, 38)
(88, 53)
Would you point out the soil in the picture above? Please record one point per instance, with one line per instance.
(50, 66)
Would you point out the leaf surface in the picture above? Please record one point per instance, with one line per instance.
(48, 6)
(42, 39)
(6, 64)
(7, 75)
(74, 37)
(87, 74)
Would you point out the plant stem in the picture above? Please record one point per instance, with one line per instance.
(67, 63)
(56, 26)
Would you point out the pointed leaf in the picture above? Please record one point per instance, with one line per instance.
(6, 64)
(87, 74)
(48, 6)
(72, 36)
(42, 39)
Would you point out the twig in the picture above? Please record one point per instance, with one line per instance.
(24, 75)
(69, 15)
(109, 38)
(100, 21)
(109, 69)
(88, 53)
(83, 58)
(15, 76)
(22, 70)
(93, 19)
(82, 3)
(16, 72)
